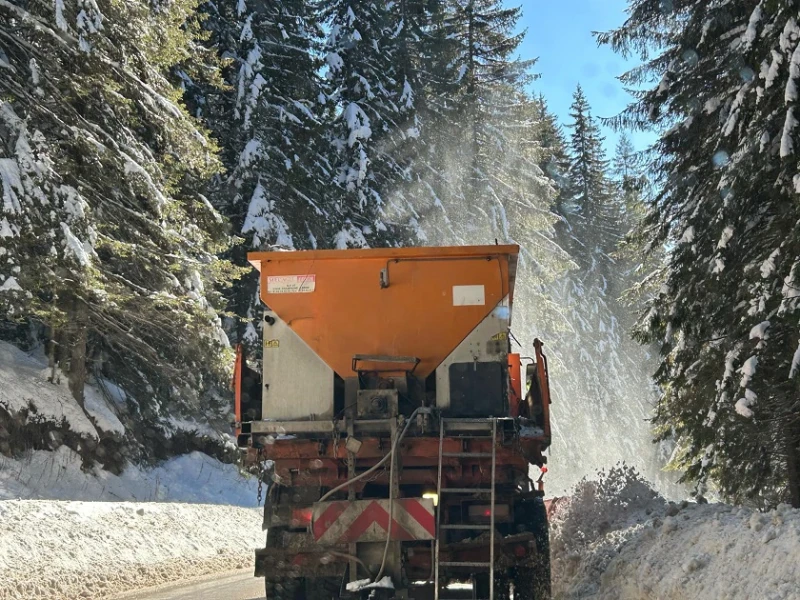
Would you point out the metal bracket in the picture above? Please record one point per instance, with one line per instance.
(377, 358)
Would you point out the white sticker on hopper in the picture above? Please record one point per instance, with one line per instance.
(469, 295)
(291, 284)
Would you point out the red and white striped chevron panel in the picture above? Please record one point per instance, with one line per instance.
(368, 520)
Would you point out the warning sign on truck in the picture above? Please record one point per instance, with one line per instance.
(291, 284)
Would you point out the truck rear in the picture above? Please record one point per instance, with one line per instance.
(394, 427)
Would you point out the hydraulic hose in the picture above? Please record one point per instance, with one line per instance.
(372, 469)
(377, 465)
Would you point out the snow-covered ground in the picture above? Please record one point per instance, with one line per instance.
(616, 539)
(68, 530)
(58, 475)
(77, 550)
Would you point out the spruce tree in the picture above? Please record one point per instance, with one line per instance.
(726, 208)
(372, 122)
(268, 122)
(106, 239)
(591, 206)
(597, 370)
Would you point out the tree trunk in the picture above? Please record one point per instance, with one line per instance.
(78, 336)
(793, 462)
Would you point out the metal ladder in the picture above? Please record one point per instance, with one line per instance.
(490, 425)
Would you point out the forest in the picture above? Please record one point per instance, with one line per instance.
(147, 147)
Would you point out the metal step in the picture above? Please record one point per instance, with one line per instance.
(467, 454)
(482, 427)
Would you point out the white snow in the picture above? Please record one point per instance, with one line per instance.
(760, 331)
(768, 266)
(727, 234)
(752, 31)
(263, 221)
(358, 123)
(61, 22)
(365, 584)
(711, 105)
(6, 229)
(11, 184)
(795, 362)
(95, 545)
(24, 387)
(787, 143)
(743, 405)
(71, 550)
(60, 475)
(616, 539)
(102, 414)
(748, 370)
(790, 95)
(10, 285)
(769, 73)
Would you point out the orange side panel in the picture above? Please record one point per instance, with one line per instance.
(237, 386)
(544, 382)
(413, 302)
(515, 374)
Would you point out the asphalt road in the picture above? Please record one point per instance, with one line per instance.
(239, 585)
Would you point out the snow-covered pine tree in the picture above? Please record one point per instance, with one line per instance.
(105, 237)
(475, 95)
(592, 211)
(480, 133)
(726, 316)
(554, 160)
(268, 123)
(373, 122)
(599, 386)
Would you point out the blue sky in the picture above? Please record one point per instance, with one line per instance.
(560, 35)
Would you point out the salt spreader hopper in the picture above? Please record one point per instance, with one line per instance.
(393, 412)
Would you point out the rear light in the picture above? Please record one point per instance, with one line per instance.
(301, 517)
(432, 496)
(483, 512)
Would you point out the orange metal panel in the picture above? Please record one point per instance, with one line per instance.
(544, 382)
(388, 302)
(515, 374)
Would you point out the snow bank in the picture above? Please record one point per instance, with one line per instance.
(617, 539)
(24, 386)
(71, 550)
(58, 475)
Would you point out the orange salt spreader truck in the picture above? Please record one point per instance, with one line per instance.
(399, 433)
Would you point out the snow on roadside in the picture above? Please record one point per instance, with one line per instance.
(617, 539)
(71, 550)
(24, 387)
(59, 475)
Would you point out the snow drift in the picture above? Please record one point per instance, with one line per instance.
(61, 475)
(71, 550)
(617, 539)
(65, 550)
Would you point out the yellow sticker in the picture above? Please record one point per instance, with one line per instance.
(500, 336)
(272, 343)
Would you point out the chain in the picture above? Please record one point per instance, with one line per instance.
(261, 471)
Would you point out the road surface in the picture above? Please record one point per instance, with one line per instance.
(239, 585)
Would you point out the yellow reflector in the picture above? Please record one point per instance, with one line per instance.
(432, 496)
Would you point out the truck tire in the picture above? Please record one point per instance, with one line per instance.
(480, 586)
(532, 578)
(323, 588)
(283, 589)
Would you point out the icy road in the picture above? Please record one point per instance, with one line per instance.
(238, 585)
